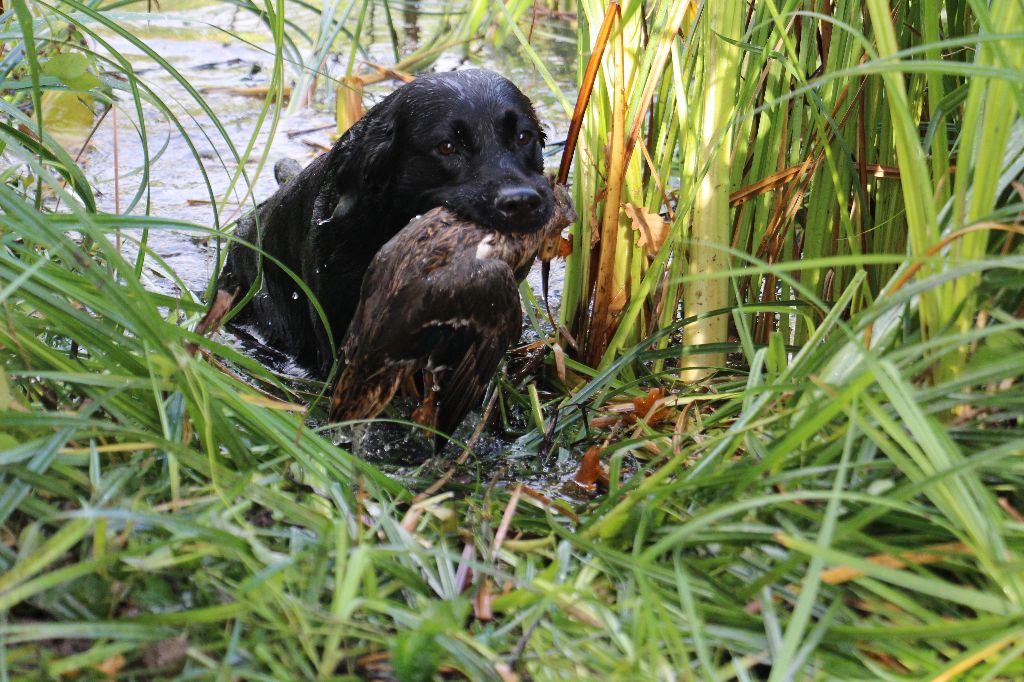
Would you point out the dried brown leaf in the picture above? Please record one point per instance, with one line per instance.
(111, 667)
(482, 607)
(590, 468)
(218, 309)
(651, 408)
(653, 229)
(559, 362)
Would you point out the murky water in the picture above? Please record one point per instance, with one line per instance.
(218, 46)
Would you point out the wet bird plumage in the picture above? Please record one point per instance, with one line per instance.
(441, 298)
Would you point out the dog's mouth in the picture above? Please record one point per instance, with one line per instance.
(528, 220)
(508, 208)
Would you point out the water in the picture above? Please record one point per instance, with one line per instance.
(217, 46)
(212, 60)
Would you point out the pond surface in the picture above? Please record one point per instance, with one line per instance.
(222, 52)
(226, 54)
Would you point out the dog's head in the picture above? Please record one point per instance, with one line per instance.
(466, 140)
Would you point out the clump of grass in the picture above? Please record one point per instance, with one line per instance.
(843, 500)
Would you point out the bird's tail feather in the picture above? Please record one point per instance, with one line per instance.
(357, 397)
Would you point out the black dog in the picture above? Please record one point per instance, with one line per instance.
(467, 140)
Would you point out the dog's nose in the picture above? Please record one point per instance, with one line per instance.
(518, 201)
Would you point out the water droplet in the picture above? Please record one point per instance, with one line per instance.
(323, 222)
(435, 388)
(317, 271)
(295, 295)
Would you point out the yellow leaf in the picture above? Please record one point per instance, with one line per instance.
(348, 103)
(68, 117)
(652, 227)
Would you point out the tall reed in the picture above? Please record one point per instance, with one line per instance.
(822, 127)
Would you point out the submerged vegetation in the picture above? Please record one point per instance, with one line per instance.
(775, 429)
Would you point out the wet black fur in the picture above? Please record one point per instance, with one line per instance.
(327, 223)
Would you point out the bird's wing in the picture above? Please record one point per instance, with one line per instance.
(500, 325)
(397, 273)
(460, 319)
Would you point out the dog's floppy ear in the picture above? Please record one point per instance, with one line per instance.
(379, 150)
(368, 153)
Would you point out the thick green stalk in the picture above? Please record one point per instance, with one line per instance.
(711, 224)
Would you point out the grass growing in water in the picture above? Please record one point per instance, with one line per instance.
(843, 501)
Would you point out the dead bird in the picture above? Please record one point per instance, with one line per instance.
(439, 303)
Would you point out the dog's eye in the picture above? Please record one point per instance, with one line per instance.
(524, 137)
(446, 148)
